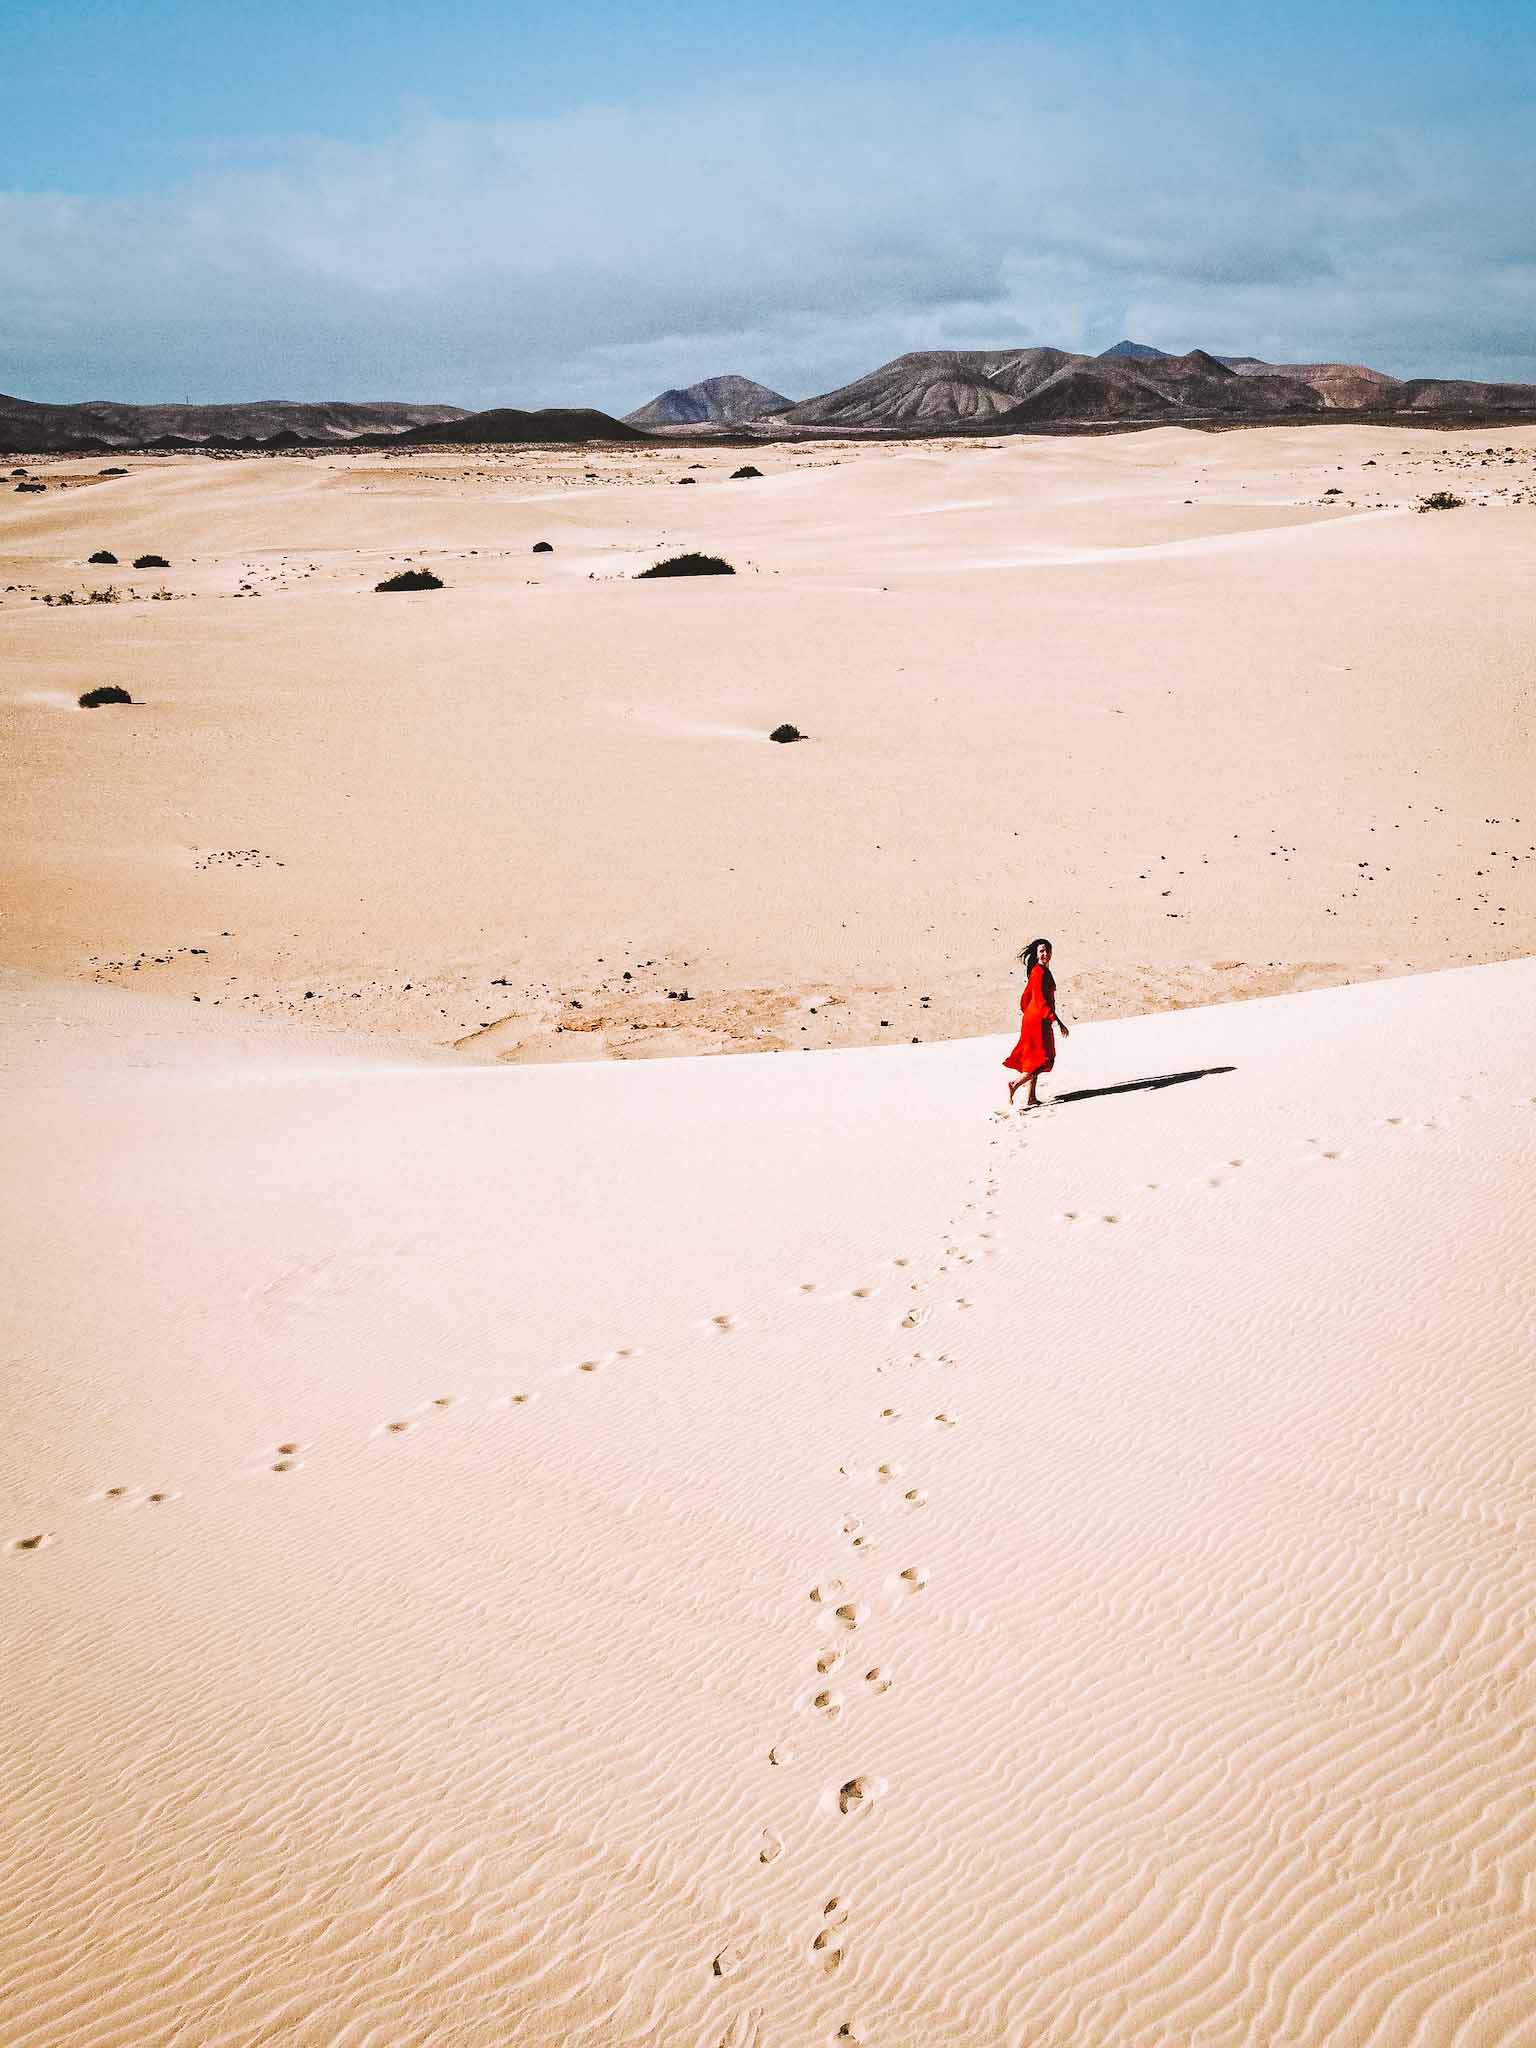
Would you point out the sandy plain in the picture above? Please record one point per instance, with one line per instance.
(500, 1543)
(1262, 739)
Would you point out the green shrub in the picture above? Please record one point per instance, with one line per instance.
(411, 579)
(1440, 501)
(687, 565)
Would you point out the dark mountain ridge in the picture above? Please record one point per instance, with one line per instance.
(95, 424)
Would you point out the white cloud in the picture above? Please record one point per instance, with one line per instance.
(1014, 195)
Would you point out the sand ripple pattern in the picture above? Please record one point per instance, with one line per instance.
(1103, 1622)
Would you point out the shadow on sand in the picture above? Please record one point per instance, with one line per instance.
(1152, 1081)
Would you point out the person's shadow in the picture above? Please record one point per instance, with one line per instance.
(1130, 1087)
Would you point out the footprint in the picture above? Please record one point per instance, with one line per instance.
(442, 1400)
(849, 1614)
(723, 1322)
(944, 1420)
(828, 1662)
(861, 1293)
(856, 1795)
(771, 1847)
(781, 1754)
(394, 1428)
(916, 1317)
(158, 1498)
(889, 1414)
(886, 1472)
(826, 1590)
(913, 1579)
(876, 1679)
(587, 1365)
(828, 1703)
(730, 1958)
(39, 1542)
(915, 1497)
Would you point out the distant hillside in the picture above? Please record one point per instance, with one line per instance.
(32, 429)
(504, 424)
(1345, 385)
(715, 402)
(1456, 394)
(1192, 386)
(933, 387)
(1134, 352)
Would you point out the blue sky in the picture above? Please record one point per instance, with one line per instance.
(546, 204)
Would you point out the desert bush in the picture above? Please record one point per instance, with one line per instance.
(411, 579)
(107, 596)
(687, 565)
(1440, 501)
(543, 547)
(111, 472)
(104, 555)
(58, 597)
(150, 562)
(745, 470)
(785, 734)
(108, 694)
(31, 487)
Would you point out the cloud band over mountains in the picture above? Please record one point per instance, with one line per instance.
(1017, 193)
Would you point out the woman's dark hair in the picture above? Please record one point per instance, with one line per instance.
(1030, 957)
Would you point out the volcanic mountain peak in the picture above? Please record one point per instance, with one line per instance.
(928, 387)
(1134, 352)
(714, 402)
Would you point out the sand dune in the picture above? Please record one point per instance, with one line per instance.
(1153, 694)
(763, 1551)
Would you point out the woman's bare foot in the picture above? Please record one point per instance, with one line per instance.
(1013, 1089)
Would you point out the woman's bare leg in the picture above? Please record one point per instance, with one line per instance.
(1032, 1100)
(1013, 1089)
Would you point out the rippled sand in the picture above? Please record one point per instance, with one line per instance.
(761, 1552)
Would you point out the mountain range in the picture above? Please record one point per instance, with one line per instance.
(1132, 381)
(99, 425)
(926, 391)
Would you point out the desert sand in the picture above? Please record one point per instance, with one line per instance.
(1260, 740)
(503, 1540)
(765, 1551)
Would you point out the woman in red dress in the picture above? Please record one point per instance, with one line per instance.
(1035, 1053)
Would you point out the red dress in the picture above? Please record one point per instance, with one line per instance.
(1035, 1052)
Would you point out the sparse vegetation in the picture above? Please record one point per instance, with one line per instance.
(1440, 501)
(745, 470)
(786, 734)
(687, 565)
(107, 595)
(104, 555)
(109, 693)
(543, 547)
(111, 472)
(31, 487)
(411, 579)
(150, 562)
